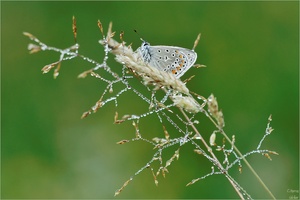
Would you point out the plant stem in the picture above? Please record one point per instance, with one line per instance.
(249, 166)
(216, 161)
(244, 159)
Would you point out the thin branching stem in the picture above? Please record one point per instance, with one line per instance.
(249, 166)
(216, 161)
(242, 157)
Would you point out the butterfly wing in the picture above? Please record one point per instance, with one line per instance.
(171, 59)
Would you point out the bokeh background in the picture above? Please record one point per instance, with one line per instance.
(251, 50)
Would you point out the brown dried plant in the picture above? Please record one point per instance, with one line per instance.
(176, 95)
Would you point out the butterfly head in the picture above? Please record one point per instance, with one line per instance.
(144, 51)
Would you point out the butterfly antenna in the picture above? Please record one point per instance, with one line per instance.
(139, 35)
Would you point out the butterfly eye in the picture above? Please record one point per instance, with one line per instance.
(145, 44)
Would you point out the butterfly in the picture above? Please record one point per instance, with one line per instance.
(175, 60)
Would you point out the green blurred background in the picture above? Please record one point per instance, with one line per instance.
(251, 50)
